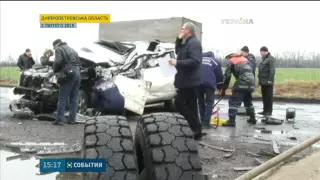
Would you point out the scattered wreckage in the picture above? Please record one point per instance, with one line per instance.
(133, 65)
(163, 145)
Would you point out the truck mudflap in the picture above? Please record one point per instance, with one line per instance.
(134, 91)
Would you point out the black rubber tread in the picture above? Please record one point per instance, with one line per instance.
(110, 137)
(165, 147)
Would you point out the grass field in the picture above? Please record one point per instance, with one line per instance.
(290, 82)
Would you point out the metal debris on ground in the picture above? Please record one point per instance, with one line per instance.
(266, 153)
(19, 144)
(19, 156)
(61, 150)
(292, 138)
(265, 131)
(229, 154)
(259, 161)
(253, 154)
(275, 146)
(243, 168)
(215, 147)
(27, 150)
(261, 139)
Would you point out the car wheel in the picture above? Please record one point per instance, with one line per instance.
(110, 137)
(165, 148)
(82, 102)
(169, 106)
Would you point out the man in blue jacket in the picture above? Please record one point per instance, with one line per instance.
(212, 79)
(106, 97)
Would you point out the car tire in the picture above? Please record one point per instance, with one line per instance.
(169, 105)
(110, 137)
(82, 102)
(165, 148)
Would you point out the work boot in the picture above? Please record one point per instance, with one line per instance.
(198, 136)
(57, 123)
(72, 122)
(230, 123)
(252, 120)
(208, 126)
(261, 113)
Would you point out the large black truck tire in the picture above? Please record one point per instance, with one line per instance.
(110, 137)
(165, 148)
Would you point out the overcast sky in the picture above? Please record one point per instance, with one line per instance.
(281, 26)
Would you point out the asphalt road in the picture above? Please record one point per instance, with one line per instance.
(243, 138)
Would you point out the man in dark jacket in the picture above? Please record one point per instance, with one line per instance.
(242, 89)
(266, 72)
(188, 77)
(106, 97)
(25, 60)
(46, 56)
(212, 78)
(67, 68)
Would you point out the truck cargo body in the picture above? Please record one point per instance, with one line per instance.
(166, 30)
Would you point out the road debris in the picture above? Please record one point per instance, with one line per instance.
(261, 139)
(19, 156)
(292, 138)
(19, 144)
(259, 161)
(265, 131)
(229, 154)
(275, 147)
(215, 147)
(61, 150)
(266, 153)
(243, 168)
(253, 154)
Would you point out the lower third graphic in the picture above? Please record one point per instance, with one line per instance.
(73, 165)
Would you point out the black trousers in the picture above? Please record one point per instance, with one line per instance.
(186, 104)
(206, 101)
(267, 98)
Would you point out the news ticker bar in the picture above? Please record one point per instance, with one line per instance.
(74, 18)
(58, 25)
(73, 165)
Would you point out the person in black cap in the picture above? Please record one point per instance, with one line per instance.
(25, 60)
(67, 69)
(250, 57)
(266, 73)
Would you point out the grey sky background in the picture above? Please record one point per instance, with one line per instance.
(281, 26)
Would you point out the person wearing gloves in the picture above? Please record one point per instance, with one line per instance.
(242, 89)
(212, 78)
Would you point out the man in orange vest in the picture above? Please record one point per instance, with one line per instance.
(242, 89)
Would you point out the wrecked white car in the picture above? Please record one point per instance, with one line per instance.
(133, 66)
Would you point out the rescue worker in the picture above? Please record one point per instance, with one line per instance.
(266, 73)
(212, 78)
(188, 76)
(67, 69)
(106, 97)
(242, 89)
(46, 56)
(25, 60)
